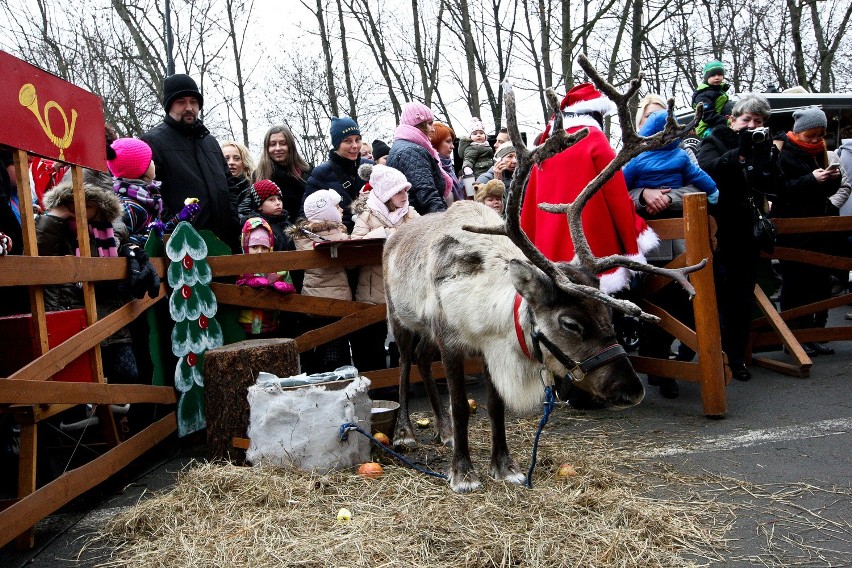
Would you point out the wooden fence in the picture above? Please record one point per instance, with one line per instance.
(31, 396)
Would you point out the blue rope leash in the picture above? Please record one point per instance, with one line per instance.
(549, 402)
(343, 434)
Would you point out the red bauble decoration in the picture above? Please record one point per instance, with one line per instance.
(186, 292)
(191, 359)
(203, 322)
(187, 262)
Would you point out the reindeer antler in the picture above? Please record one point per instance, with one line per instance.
(632, 146)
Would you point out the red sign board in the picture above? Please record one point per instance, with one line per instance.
(50, 117)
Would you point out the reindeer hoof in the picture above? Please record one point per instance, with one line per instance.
(508, 471)
(404, 442)
(465, 483)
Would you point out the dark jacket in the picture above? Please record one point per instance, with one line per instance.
(190, 164)
(719, 156)
(712, 98)
(56, 238)
(341, 175)
(424, 174)
(292, 195)
(802, 196)
(238, 187)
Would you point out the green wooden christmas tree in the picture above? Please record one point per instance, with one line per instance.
(192, 306)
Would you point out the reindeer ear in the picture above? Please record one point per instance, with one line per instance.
(530, 282)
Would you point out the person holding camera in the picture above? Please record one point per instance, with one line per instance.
(742, 161)
(812, 179)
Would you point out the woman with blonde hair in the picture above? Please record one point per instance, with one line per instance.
(240, 169)
(281, 163)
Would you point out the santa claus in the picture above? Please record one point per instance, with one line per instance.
(610, 222)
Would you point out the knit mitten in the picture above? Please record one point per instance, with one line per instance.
(253, 281)
(284, 287)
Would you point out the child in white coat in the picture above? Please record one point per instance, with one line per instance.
(378, 212)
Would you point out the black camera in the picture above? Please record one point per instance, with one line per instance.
(759, 135)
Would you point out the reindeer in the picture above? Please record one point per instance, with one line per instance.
(466, 283)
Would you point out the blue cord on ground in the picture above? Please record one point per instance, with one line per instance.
(549, 402)
(344, 434)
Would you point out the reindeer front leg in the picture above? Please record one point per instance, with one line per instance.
(462, 476)
(503, 467)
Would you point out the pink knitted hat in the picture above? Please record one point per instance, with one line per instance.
(132, 158)
(387, 182)
(260, 236)
(414, 113)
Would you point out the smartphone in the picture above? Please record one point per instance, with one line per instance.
(833, 167)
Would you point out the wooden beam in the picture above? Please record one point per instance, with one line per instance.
(375, 313)
(680, 370)
(265, 298)
(667, 229)
(28, 511)
(811, 257)
(57, 358)
(779, 326)
(30, 244)
(812, 225)
(708, 334)
(40, 392)
(793, 313)
(43, 270)
(234, 265)
(390, 377)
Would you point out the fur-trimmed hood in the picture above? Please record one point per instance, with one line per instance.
(295, 230)
(107, 203)
(359, 205)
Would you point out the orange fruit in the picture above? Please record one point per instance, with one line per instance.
(370, 470)
(382, 438)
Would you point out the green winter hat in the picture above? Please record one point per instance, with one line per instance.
(713, 68)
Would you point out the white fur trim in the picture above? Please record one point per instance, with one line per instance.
(616, 281)
(601, 104)
(579, 120)
(648, 240)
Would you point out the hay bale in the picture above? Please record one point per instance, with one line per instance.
(228, 373)
(607, 515)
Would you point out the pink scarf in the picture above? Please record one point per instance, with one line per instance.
(381, 210)
(415, 135)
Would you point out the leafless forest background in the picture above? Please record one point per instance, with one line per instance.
(364, 58)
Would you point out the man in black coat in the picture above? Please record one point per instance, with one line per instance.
(190, 162)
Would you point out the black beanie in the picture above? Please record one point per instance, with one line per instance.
(380, 150)
(176, 86)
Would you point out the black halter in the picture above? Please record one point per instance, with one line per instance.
(576, 371)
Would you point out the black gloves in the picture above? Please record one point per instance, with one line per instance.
(142, 276)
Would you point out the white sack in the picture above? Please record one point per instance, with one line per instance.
(300, 427)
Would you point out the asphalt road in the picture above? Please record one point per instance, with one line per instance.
(790, 439)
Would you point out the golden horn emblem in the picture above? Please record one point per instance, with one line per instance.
(28, 98)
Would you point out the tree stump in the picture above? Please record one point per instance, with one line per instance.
(228, 373)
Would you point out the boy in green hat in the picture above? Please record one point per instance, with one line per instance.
(711, 95)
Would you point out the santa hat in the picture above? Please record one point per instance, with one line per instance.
(129, 158)
(263, 189)
(322, 206)
(578, 108)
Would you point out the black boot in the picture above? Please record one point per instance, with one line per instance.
(669, 388)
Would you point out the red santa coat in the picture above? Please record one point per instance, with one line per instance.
(610, 222)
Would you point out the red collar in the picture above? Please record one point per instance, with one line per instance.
(520, 332)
